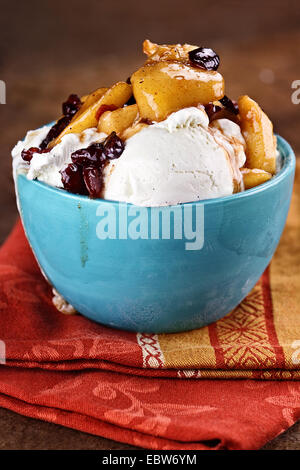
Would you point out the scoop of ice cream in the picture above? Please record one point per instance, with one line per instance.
(178, 160)
(181, 159)
(46, 167)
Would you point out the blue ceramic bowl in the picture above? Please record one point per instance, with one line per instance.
(159, 284)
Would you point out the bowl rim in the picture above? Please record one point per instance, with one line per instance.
(288, 166)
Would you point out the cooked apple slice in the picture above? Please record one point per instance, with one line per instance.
(89, 100)
(167, 52)
(161, 88)
(254, 177)
(83, 98)
(134, 129)
(87, 117)
(118, 120)
(257, 130)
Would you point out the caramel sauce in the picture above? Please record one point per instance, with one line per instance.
(232, 157)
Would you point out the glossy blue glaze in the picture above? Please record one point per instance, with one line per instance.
(156, 285)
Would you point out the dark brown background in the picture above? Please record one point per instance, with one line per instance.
(50, 48)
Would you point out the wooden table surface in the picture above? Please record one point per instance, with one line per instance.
(53, 48)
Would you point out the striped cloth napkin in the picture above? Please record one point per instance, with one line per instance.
(137, 388)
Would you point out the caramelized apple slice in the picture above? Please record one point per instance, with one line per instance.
(118, 120)
(83, 98)
(134, 129)
(117, 95)
(254, 177)
(167, 52)
(257, 130)
(89, 100)
(161, 88)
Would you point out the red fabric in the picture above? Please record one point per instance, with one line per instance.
(68, 370)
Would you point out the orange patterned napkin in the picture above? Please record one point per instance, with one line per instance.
(71, 371)
(259, 339)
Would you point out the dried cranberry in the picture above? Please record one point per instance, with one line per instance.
(84, 175)
(55, 130)
(93, 181)
(205, 58)
(28, 154)
(217, 112)
(91, 156)
(232, 106)
(113, 146)
(72, 179)
(212, 111)
(103, 108)
(71, 106)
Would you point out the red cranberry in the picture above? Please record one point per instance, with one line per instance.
(72, 179)
(71, 106)
(232, 106)
(55, 130)
(204, 58)
(28, 154)
(93, 181)
(113, 146)
(84, 175)
(91, 156)
(212, 111)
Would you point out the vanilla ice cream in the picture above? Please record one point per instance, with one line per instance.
(178, 160)
(46, 167)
